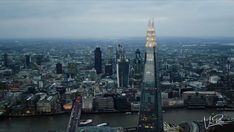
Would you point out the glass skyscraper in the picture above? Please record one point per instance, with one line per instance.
(98, 60)
(150, 118)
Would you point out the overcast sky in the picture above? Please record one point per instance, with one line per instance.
(115, 18)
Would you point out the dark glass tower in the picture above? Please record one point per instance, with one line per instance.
(108, 70)
(98, 60)
(39, 59)
(5, 59)
(59, 68)
(122, 68)
(150, 118)
(27, 60)
(137, 70)
(138, 62)
(109, 62)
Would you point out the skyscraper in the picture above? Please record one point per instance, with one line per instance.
(109, 62)
(122, 69)
(59, 68)
(119, 51)
(72, 69)
(110, 52)
(39, 59)
(98, 60)
(137, 70)
(27, 60)
(150, 118)
(5, 59)
(108, 70)
(138, 62)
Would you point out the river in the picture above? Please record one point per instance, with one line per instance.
(59, 122)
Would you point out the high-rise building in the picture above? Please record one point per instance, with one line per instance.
(98, 60)
(110, 52)
(119, 52)
(38, 59)
(108, 70)
(5, 59)
(109, 62)
(150, 118)
(137, 70)
(59, 68)
(27, 60)
(122, 69)
(72, 69)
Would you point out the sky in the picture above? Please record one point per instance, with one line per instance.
(115, 18)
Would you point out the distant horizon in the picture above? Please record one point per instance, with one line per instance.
(120, 38)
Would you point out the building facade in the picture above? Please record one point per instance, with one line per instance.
(59, 68)
(122, 68)
(137, 70)
(5, 59)
(27, 60)
(98, 60)
(150, 118)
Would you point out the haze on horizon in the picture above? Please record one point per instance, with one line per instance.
(115, 18)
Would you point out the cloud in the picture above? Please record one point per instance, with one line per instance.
(112, 18)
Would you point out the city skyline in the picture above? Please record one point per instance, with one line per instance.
(114, 19)
(96, 65)
(46, 80)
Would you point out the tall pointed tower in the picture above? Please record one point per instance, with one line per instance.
(150, 118)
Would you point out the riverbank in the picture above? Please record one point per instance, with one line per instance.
(110, 112)
(59, 123)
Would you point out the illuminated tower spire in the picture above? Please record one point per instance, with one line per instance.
(150, 36)
(150, 118)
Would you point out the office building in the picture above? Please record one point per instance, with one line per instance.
(27, 60)
(98, 60)
(103, 104)
(110, 52)
(59, 68)
(5, 59)
(108, 70)
(38, 59)
(150, 118)
(137, 70)
(72, 69)
(122, 69)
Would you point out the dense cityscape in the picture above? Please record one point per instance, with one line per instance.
(116, 66)
(142, 76)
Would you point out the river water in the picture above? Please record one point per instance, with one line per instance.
(59, 122)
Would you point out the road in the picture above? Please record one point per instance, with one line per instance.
(75, 115)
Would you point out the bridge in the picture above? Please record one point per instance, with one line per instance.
(75, 115)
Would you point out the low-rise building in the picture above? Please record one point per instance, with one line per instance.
(201, 98)
(103, 104)
(48, 104)
(87, 103)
